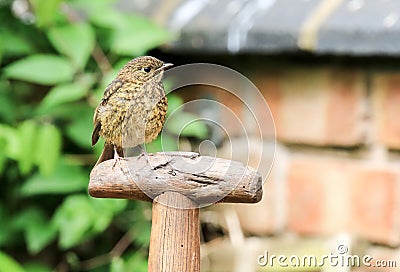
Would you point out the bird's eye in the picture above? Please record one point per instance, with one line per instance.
(147, 69)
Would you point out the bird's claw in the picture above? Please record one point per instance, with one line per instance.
(118, 159)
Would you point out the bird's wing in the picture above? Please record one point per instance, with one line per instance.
(110, 90)
(96, 131)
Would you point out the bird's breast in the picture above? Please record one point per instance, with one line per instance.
(133, 109)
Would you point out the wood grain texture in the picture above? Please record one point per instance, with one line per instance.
(202, 179)
(175, 234)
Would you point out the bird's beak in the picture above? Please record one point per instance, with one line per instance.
(166, 66)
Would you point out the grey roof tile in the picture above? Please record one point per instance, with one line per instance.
(362, 27)
(359, 27)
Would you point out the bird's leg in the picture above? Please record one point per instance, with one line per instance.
(143, 153)
(117, 158)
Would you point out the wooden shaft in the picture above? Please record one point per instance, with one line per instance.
(175, 234)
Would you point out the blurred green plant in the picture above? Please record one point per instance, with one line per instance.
(56, 60)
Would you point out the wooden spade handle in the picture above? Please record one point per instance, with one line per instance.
(179, 184)
(175, 234)
(203, 179)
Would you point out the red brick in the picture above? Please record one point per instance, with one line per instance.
(316, 106)
(317, 198)
(219, 105)
(374, 210)
(268, 83)
(328, 196)
(345, 108)
(248, 113)
(386, 109)
(265, 217)
(231, 113)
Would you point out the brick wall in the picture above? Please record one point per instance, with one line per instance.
(337, 166)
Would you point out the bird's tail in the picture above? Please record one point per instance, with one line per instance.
(108, 153)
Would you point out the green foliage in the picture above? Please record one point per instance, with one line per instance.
(53, 73)
(78, 218)
(38, 233)
(9, 264)
(187, 124)
(184, 123)
(66, 178)
(43, 69)
(74, 41)
(45, 11)
(28, 144)
(145, 35)
(47, 158)
(14, 45)
(62, 94)
(132, 263)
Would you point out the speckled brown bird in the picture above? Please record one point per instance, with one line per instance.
(133, 108)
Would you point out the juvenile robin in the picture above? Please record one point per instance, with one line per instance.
(133, 108)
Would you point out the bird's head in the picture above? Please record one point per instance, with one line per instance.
(143, 69)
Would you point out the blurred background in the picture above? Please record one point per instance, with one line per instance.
(329, 71)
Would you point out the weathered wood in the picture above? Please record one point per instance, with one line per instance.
(204, 180)
(175, 234)
(178, 183)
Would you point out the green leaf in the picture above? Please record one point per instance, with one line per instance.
(63, 93)
(98, 148)
(11, 137)
(1, 48)
(27, 135)
(7, 103)
(137, 36)
(117, 265)
(6, 231)
(38, 231)
(8, 264)
(187, 125)
(76, 41)
(94, 7)
(114, 19)
(113, 206)
(26, 215)
(109, 208)
(163, 142)
(136, 262)
(80, 130)
(3, 158)
(65, 179)
(41, 68)
(14, 44)
(48, 149)
(74, 218)
(195, 129)
(78, 217)
(174, 102)
(37, 267)
(39, 234)
(142, 230)
(45, 11)
(66, 111)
